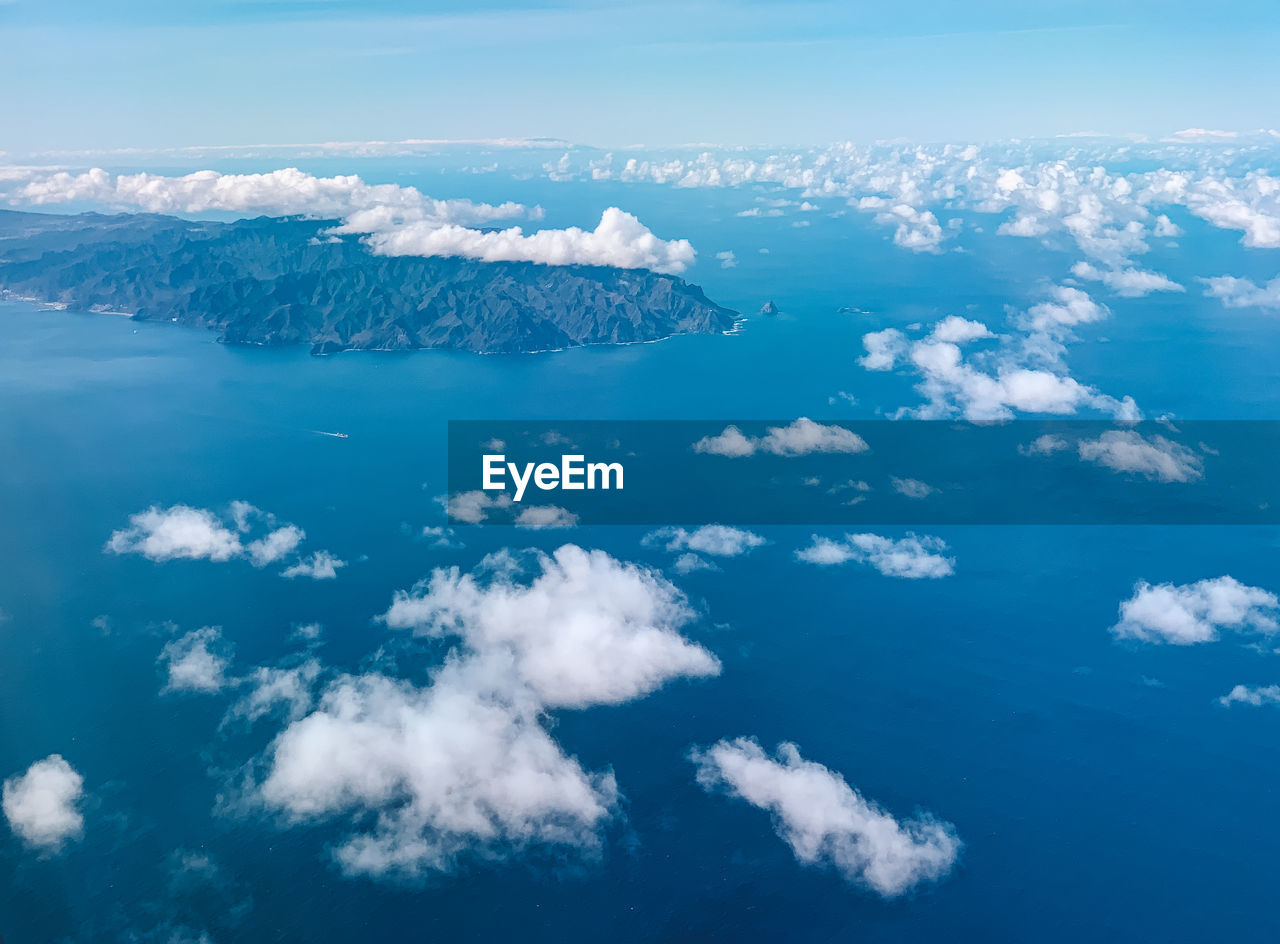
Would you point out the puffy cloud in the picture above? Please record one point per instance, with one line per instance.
(545, 517)
(913, 557)
(1154, 458)
(43, 804)
(1242, 293)
(474, 507)
(465, 764)
(1195, 613)
(955, 330)
(588, 630)
(727, 259)
(801, 437)
(1257, 696)
(1069, 306)
(1130, 282)
(1045, 445)
(884, 348)
(319, 566)
(689, 563)
(278, 544)
(271, 688)
(912, 488)
(196, 662)
(183, 532)
(827, 822)
(716, 539)
(176, 532)
(394, 220)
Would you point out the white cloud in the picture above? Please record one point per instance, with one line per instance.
(827, 822)
(1069, 306)
(588, 630)
(176, 532)
(43, 804)
(473, 507)
(1045, 445)
(727, 259)
(913, 557)
(1196, 612)
(278, 544)
(319, 566)
(689, 563)
(912, 488)
(394, 220)
(1129, 283)
(1242, 293)
(1257, 696)
(465, 764)
(271, 688)
(545, 517)
(183, 532)
(716, 539)
(956, 330)
(196, 662)
(884, 348)
(799, 438)
(1155, 458)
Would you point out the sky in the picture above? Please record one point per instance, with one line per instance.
(144, 73)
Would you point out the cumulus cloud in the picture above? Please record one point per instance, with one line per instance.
(727, 259)
(475, 506)
(690, 563)
(912, 488)
(716, 539)
(827, 822)
(43, 804)
(884, 348)
(162, 534)
(394, 220)
(1155, 458)
(196, 662)
(588, 630)
(956, 330)
(1195, 613)
(913, 557)
(545, 517)
(182, 532)
(269, 689)
(321, 565)
(1130, 283)
(801, 437)
(465, 764)
(1257, 696)
(1242, 293)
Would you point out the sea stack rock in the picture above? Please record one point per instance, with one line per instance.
(769, 308)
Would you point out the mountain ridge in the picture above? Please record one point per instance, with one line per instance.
(280, 281)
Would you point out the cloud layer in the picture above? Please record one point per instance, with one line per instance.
(394, 220)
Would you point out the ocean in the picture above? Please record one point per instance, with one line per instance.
(1099, 788)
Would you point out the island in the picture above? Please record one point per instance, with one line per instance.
(278, 281)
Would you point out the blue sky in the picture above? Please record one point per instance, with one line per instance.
(153, 74)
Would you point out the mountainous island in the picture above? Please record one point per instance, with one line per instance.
(287, 281)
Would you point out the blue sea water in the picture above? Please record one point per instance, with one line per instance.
(1100, 790)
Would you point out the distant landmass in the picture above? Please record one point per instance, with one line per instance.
(285, 281)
